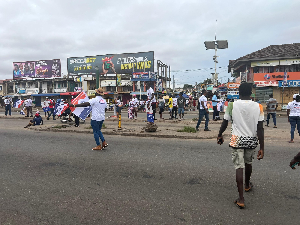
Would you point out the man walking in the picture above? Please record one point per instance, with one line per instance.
(293, 113)
(215, 107)
(203, 111)
(170, 103)
(247, 121)
(99, 107)
(135, 105)
(272, 105)
(181, 105)
(7, 103)
(175, 107)
(51, 107)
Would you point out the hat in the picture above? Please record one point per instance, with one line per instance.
(99, 91)
(46, 97)
(294, 96)
(134, 95)
(37, 114)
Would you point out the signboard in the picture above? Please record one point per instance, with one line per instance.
(286, 62)
(119, 79)
(266, 63)
(37, 69)
(78, 89)
(277, 76)
(290, 83)
(126, 63)
(143, 76)
(266, 83)
(107, 83)
(233, 85)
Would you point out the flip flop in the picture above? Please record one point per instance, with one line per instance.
(239, 205)
(105, 146)
(250, 187)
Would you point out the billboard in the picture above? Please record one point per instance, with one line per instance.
(37, 69)
(126, 63)
(144, 76)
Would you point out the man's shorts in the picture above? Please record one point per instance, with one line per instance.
(242, 156)
(170, 109)
(180, 110)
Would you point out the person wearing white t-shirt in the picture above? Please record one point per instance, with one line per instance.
(175, 107)
(203, 111)
(99, 107)
(7, 103)
(293, 113)
(135, 105)
(247, 129)
(28, 106)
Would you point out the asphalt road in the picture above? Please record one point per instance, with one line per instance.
(55, 178)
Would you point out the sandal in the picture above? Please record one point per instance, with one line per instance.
(105, 146)
(250, 187)
(239, 205)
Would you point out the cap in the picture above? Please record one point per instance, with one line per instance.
(294, 96)
(134, 95)
(99, 91)
(37, 114)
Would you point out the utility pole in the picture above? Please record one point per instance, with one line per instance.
(216, 44)
(173, 84)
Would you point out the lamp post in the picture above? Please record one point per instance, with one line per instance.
(97, 77)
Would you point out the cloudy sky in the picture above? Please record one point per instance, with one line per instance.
(174, 29)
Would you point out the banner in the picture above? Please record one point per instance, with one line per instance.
(290, 83)
(40, 69)
(126, 63)
(119, 79)
(266, 83)
(81, 112)
(143, 76)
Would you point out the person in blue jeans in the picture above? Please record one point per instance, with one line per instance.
(203, 111)
(271, 110)
(293, 113)
(99, 107)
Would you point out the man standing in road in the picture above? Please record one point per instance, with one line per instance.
(99, 107)
(247, 129)
(181, 105)
(7, 103)
(271, 110)
(203, 111)
(28, 106)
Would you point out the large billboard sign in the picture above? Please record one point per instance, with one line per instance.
(37, 69)
(126, 63)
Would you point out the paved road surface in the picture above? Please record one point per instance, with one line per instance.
(55, 178)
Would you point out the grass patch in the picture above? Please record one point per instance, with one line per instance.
(195, 119)
(188, 130)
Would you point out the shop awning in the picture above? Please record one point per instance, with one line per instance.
(46, 94)
(70, 93)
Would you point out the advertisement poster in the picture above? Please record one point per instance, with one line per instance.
(144, 76)
(126, 63)
(37, 69)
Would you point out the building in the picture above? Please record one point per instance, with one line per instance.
(40, 88)
(266, 68)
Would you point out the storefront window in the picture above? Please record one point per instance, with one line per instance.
(262, 94)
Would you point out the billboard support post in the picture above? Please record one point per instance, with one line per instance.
(97, 77)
